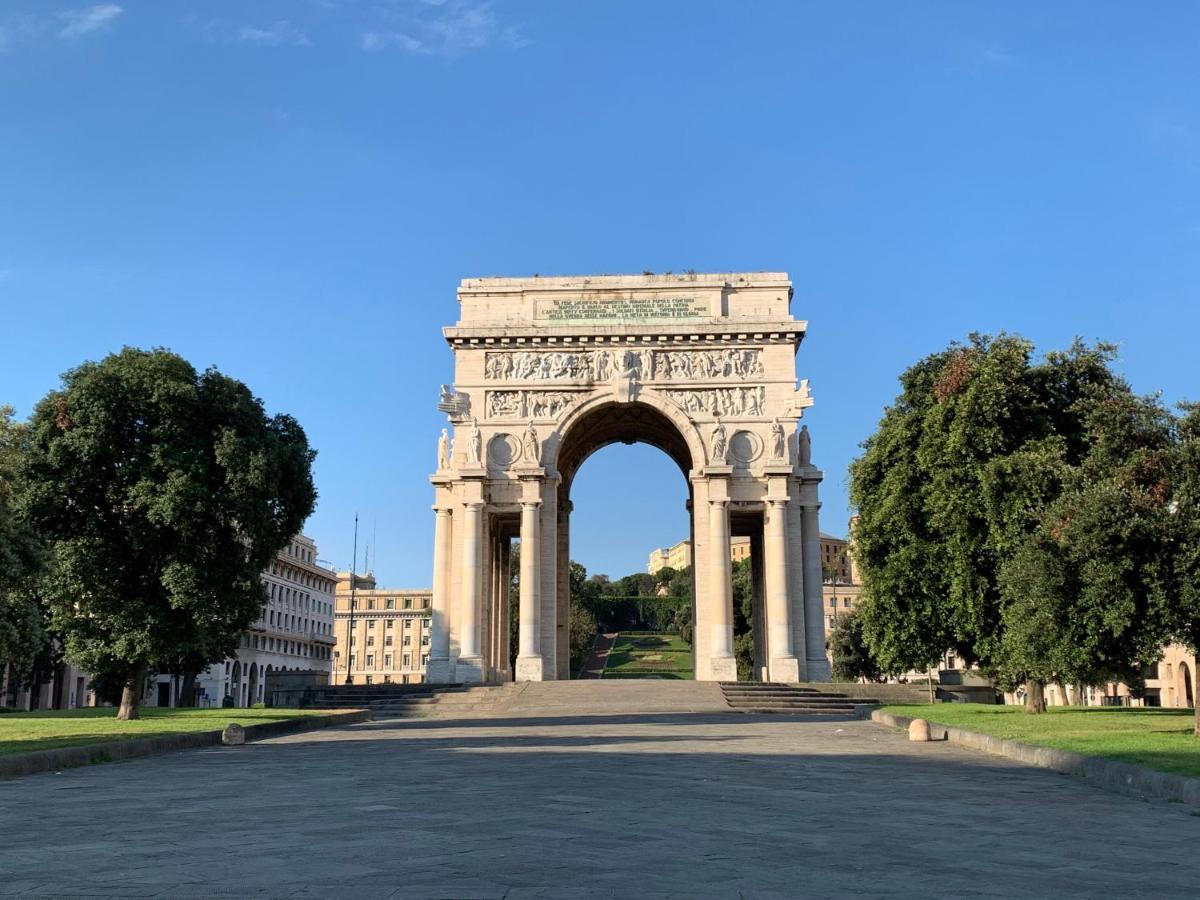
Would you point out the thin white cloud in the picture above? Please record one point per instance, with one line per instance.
(277, 34)
(88, 20)
(441, 27)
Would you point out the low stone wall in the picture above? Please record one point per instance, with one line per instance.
(1105, 773)
(67, 757)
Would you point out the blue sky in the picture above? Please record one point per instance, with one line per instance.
(292, 190)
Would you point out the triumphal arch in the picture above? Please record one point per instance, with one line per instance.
(549, 370)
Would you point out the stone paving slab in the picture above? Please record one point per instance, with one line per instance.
(589, 805)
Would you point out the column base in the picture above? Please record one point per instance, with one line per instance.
(785, 669)
(469, 670)
(818, 670)
(722, 668)
(530, 668)
(439, 671)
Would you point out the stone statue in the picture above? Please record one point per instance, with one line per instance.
(804, 447)
(533, 453)
(444, 451)
(778, 441)
(474, 444)
(720, 444)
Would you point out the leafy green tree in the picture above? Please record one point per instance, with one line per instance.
(967, 484)
(852, 657)
(1184, 510)
(25, 639)
(163, 493)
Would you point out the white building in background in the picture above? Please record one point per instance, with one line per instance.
(294, 633)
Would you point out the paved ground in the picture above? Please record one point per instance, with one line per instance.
(597, 657)
(590, 804)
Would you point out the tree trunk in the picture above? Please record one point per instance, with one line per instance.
(1195, 703)
(931, 694)
(1035, 697)
(1068, 700)
(187, 690)
(131, 694)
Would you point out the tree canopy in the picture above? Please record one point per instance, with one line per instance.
(163, 494)
(1013, 510)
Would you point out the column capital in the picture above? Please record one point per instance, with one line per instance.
(530, 503)
(474, 504)
(721, 501)
(442, 510)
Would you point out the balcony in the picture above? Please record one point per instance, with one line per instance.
(319, 638)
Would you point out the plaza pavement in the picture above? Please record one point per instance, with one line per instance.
(572, 799)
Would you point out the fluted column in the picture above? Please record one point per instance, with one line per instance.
(438, 670)
(470, 664)
(529, 656)
(817, 665)
(720, 605)
(782, 663)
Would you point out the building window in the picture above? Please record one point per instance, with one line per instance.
(353, 639)
(371, 625)
(833, 602)
(390, 623)
(408, 602)
(387, 641)
(391, 602)
(425, 659)
(370, 640)
(407, 641)
(368, 679)
(370, 660)
(408, 624)
(425, 641)
(353, 660)
(387, 661)
(407, 660)
(371, 603)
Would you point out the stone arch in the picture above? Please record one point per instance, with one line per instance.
(1185, 685)
(603, 419)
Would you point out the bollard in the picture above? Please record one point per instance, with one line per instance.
(918, 730)
(233, 735)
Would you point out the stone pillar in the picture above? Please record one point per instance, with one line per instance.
(506, 661)
(438, 671)
(817, 665)
(470, 664)
(783, 663)
(722, 665)
(529, 658)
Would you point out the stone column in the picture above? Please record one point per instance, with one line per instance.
(817, 665)
(438, 670)
(723, 667)
(529, 657)
(783, 663)
(470, 663)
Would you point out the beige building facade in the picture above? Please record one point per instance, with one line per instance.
(679, 555)
(547, 371)
(383, 637)
(294, 633)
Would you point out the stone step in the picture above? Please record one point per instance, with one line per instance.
(796, 710)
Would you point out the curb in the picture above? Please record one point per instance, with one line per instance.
(110, 751)
(1123, 778)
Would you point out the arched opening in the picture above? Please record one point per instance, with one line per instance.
(1185, 687)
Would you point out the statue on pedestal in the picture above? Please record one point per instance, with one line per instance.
(804, 447)
(444, 451)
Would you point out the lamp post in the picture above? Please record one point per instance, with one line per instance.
(350, 622)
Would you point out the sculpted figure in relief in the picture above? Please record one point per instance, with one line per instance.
(474, 444)
(444, 451)
(720, 444)
(778, 441)
(804, 447)
(532, 451)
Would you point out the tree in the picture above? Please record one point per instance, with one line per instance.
(1184, 511)
(163, 493)
(965, 491)
(852, 657)
(25, 640)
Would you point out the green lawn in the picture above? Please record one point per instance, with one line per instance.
(649, 655)
(1155, 738)
(50, 729)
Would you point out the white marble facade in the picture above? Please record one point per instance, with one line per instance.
(547, 370)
